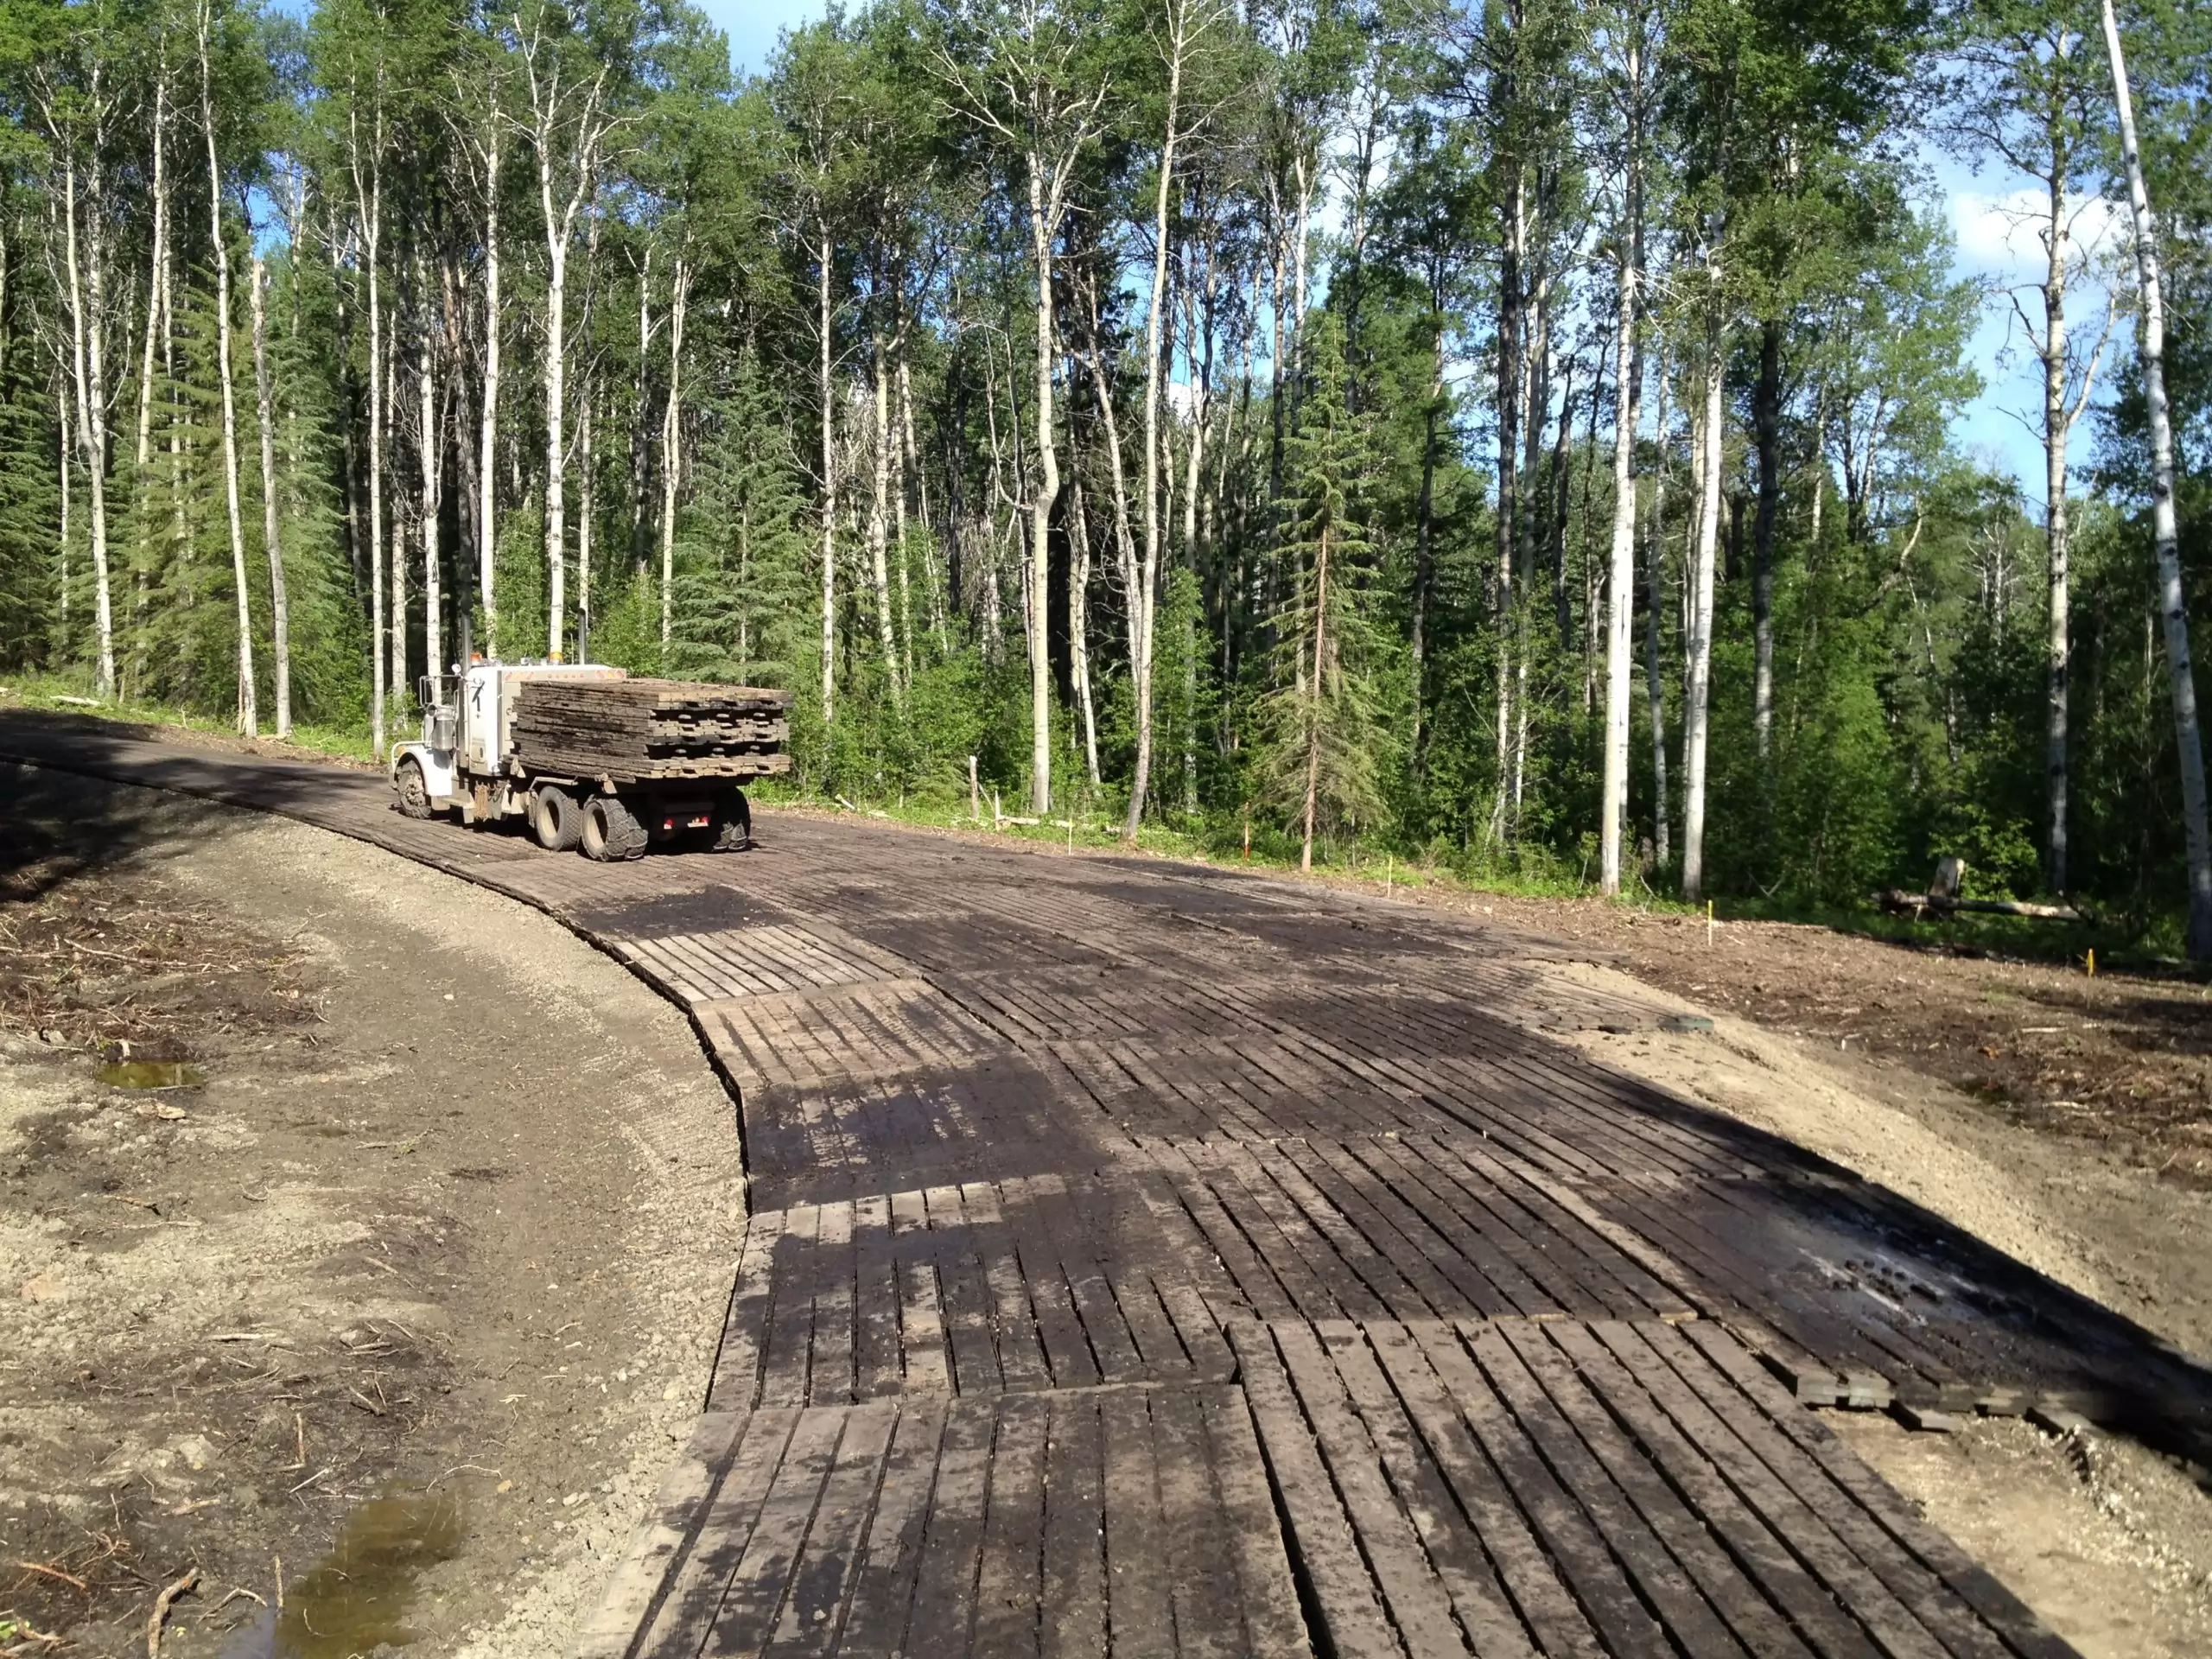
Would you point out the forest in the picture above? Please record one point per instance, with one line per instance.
(1521, 437)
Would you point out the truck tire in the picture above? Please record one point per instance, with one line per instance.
(612, 833)
(414, 792)
(554, 818)
(733, 831)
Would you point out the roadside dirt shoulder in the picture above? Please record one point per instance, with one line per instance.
(399, 1298)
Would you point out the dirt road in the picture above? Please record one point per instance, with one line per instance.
(1089, 965)
(399, 1308)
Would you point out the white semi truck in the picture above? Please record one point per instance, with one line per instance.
(590, 756)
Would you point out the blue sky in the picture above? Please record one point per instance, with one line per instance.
(1990, 247)
(753, 25)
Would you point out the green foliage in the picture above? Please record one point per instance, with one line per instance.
(867, 199)
(31, 585)
(1184, 698)
(625, 623)
(1323, 744)
(745, 559)
(518, 579)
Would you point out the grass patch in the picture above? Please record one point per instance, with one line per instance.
(70, 694)
(2118, 945)
(1220, 839)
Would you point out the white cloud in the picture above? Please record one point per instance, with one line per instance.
(1998, 234)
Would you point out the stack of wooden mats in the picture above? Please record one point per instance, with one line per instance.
(629, 731)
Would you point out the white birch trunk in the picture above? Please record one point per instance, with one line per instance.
(879, 521)
(142, 457)
(487, 426)
(248, 716)
(827, 390)
(369, 203)
(2057, 430)
(671, 440)
(1620, 586)
(1698, 687)
(1079, 624)
(85, 335)
(546, 93)
(557, 398)
(587, 510)
(2172, 606)
(158, 258)
(1042, 222)
(280, 618)
(65, 444)
(433, 486)
(1655, 598)
(1143, 597)
(639, 458)
(397, 567)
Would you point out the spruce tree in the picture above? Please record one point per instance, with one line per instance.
(1323, 744)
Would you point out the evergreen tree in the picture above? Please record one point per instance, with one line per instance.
(1323, 748)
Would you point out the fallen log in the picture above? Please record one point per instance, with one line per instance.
(1916, 904)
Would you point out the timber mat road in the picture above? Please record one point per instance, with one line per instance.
(1148, 1258)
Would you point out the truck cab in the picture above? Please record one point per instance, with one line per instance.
(464, 759)
(589, 757)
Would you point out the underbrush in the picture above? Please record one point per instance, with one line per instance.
(71, 694)
(2118, 942)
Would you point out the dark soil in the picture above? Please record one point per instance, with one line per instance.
(2125, 1059)
(344, 1314)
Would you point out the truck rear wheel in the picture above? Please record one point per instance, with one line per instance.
(554, 818)
(414, 792)
(611, 832)
(733, 831)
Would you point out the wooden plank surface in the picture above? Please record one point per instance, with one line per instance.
(1621, 1487)
(1133, 1521)
(1022, 1131)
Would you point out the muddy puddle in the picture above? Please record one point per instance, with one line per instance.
(356, 1599)
(152, 1074)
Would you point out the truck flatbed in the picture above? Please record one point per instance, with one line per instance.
(640, 730)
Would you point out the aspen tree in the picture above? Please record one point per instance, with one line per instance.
(1627, 407)
(482, 134)
(248, 718)
(1185, 26)
(1698, 674)
(431, 449)
(2173, 611)
(1027, 90)
(65, 114)
(280, 618)
(2025, 96)
(672, 446)
(569, 122)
